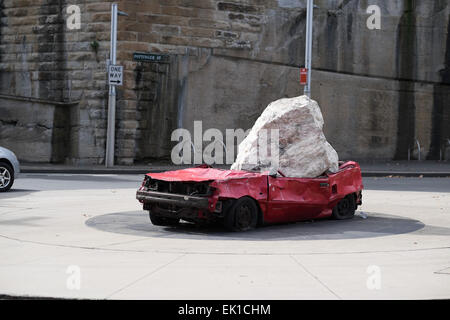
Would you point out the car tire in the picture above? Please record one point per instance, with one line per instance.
(157, 220)
(345, 209)
(6, 176)
(242, 216)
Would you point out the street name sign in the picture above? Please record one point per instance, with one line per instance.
(150, 57)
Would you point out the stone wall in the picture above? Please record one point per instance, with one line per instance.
(41, 58)
(379, 90)
(36, 130)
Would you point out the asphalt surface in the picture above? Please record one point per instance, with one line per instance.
(85, 236)
(379, 168)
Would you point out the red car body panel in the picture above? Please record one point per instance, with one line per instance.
(202, 174)
(281, 199)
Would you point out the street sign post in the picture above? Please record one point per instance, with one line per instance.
(308, 47)
(111, 128)
(115, 75)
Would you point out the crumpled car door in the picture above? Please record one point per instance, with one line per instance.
(293, 199)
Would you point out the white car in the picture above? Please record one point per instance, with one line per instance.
(9, 169)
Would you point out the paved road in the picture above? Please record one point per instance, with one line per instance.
(85, 236)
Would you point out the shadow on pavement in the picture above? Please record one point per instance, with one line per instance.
(376, 225)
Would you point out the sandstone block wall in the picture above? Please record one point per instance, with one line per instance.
(379, 90)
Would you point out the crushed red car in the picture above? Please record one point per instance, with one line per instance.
(242, 200)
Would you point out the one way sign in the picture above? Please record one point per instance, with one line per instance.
(115, 75)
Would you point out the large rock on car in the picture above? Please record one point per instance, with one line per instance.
(303, 150)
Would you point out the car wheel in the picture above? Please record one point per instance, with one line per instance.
(242, 216)
(157, 220)
(6, 177)
(345, 209)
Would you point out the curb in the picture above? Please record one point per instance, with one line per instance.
(392, 174)
(92, 171)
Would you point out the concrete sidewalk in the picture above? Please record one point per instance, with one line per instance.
(369, 169)
(87, 237)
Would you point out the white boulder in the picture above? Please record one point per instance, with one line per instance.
(303, 150)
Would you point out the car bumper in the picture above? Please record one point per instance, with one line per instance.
(173, 199)
(16, 167)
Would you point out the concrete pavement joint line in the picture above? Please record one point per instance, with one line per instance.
(145, 276)
(69, 246)
(221, 253)
(315, 277)
(298, 253)
(137, 240)
(123, 242)
(25, 262)
(443, 271)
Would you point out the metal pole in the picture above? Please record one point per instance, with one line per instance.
(418, 148)
(110, 133)
(308, 47)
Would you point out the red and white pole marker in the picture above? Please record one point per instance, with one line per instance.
(303, 76)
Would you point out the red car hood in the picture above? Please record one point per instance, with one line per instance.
(203, 174)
